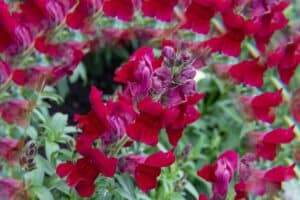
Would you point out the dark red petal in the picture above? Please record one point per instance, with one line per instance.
(266, 150)
(160, 159)
(85, 189)
(107, 166)
(146, 177)
(64, 169)
(279, 136)
(207, 173)
(280, 173)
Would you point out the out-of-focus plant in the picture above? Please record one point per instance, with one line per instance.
(239, 58)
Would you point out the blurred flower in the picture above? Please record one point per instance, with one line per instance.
(15, 111)
(249, 72)
(220, 173)
(266, 144)
(78, 18)
(261, 107)
(295, 105)
(146, 169)
(159, 9)
(121, 9)
(11, 149)
(5, 72)
(237, 28)
(12, 189)
(286, 59)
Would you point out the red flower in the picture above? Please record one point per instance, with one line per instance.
(85, 9)
(147, 169)
(266, 145)
(200, 12)
(160, 9)
(286, 59)
(10, 149)
(177, 118)
(82, 174)
(268, 23)
(148, 123)
(15, 111)
(12, 189)
(249, 72)
(262, 106)
(220, 173)
(236, 30)
(122, 9)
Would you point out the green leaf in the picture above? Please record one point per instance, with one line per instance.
(42, 192)
(50, 148)
(44, 164)
(191, 189)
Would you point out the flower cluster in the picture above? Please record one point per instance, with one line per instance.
(159, 93)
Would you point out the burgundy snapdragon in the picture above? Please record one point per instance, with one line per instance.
(146, 169)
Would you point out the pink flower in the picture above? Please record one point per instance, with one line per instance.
(122, 9)
(148, 123)
(286, 59)
(266, 145)
(249, 72)
(10, 149)
(12, 189)
(220, 173)
(15, 111)
(82, 174)
(262, 106)
(160, 9)
(147, 169)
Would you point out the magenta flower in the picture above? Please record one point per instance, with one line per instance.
(146, 169)
(220, 173)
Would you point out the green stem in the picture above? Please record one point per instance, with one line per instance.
(118, 146)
